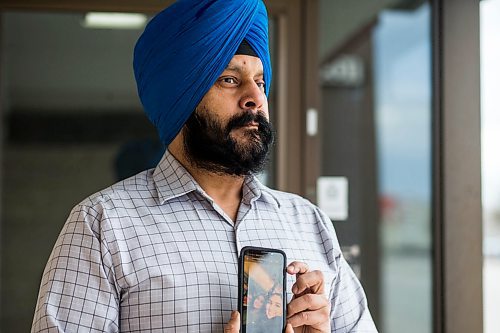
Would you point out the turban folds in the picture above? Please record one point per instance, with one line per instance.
(186, 47)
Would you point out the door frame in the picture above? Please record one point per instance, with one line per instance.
(456, 169)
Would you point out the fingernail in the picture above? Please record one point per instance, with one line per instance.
(234, 314)
(295, 289)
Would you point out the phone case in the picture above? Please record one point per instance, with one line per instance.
(241, 273)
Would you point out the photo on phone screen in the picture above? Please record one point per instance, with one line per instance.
(262, 290)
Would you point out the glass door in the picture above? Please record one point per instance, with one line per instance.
(375, 137)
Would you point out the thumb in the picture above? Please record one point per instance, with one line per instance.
(233, 326)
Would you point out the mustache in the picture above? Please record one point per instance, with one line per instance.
(245, 118)
(209, 144)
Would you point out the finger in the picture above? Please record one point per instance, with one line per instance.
(297, 267)
(307, 302)
(312, 282)
(233, 326)
(289, 328)
(310, 318)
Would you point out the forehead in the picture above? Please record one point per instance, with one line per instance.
(245, 63)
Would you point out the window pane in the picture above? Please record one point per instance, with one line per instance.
(376, 136)
(403, 120)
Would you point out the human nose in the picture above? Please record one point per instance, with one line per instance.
(253, 97)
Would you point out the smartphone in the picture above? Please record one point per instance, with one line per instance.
(262, 290)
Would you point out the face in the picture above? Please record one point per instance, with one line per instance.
(241, 87)
(229, 132)
(258, 302)
(274, 306)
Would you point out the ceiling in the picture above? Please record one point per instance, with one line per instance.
(51, 63)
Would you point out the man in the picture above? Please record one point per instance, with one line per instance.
(158, 252)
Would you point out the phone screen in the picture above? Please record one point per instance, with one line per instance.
(262, 295)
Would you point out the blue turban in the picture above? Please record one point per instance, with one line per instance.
(186, 47)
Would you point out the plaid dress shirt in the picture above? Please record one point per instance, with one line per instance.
(155, 253)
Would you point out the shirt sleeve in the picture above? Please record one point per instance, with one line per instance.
(78, 291)
(349, 307)
(349, 311)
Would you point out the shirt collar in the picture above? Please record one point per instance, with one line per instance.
(254, 190)
(251, 190)
(172, 180)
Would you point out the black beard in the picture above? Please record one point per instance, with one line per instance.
(209, 145)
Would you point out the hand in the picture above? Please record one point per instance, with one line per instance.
(309, 310)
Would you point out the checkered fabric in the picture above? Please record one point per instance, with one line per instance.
(155, 253)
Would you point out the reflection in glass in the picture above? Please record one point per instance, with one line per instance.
(403, 111)
(375, 72)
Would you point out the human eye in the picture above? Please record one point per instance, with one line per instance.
(228, 80)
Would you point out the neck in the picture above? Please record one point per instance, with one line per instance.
(225, 190)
